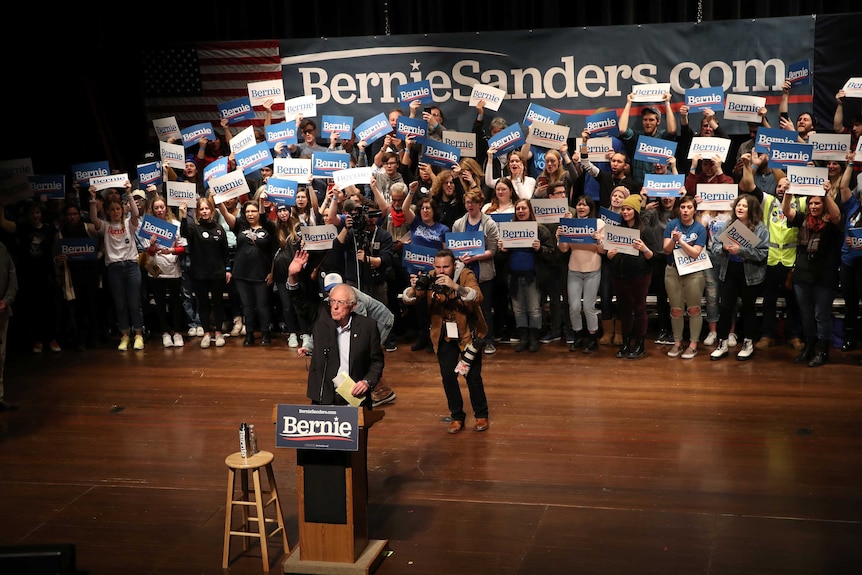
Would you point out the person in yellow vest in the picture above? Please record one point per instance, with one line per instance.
(782, 255)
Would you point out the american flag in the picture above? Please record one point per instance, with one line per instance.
(189, 81)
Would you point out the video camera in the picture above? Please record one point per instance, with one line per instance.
(359, 215)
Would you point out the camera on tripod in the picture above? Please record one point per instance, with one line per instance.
(360, 215)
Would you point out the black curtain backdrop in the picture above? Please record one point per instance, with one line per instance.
(71, 92)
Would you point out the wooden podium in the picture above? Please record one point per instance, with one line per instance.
(333, 510)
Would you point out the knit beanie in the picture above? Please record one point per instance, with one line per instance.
(634, 202)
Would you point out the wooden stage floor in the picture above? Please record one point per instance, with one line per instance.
(592, 465)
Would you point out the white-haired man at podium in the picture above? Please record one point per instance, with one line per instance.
(344, 341)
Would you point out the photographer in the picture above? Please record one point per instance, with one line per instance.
(454, 299)
(367, 249)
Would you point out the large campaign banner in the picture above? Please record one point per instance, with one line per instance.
(572, 71)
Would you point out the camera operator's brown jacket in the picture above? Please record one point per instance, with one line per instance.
(465, 312)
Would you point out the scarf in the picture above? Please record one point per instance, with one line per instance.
(815, 225)
(398, 217)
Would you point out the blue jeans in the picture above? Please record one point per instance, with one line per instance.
(710, 291)
(584, 285)
(526, 301)
(124, 280)
(815, 309)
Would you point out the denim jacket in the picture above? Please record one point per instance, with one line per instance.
(753, 259)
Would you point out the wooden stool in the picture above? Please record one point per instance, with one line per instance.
(235, 462)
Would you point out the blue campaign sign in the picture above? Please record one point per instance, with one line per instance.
(412, 127)
(855, 237)
(440, 154)
(700, 98)
(610, 217)
(654, 150)
(50, 187)
(193, 134)
(341, 125)
(236, 110)
(767, 136)
(323, 164)
(253, 158)
(149, 173)
(537, 113)
(162, 232)
(281, 191)
(373, 128)
(663, 185)
(324, 427)
(506, 140)
(799, 73)
(283, 132)
(782, 155)
(418, 258)
(578, 230)
(215, 169)
(466, 243)
(420, 91)
(81, 173)
(502, 217)
(78, 249)
(603, 124)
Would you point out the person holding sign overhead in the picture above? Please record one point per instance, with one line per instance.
(805, 122)
(252, 268)
(524, 185)
(818, 253)
(741, 272)
(710, 173)
(650, 119)
(121, 259)
(684, 241)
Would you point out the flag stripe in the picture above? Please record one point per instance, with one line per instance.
(225, 69)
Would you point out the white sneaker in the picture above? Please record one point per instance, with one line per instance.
(731, 340)
(689, 353)
(306, 340)
(242, 330)
(746, 351)
(199, 331)
(193, 331)
(167, 340)
(710, 338)
(219, 340)
(237, 326)
(292, 341)
(720, 351)
(205, 342)
(178, 340)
